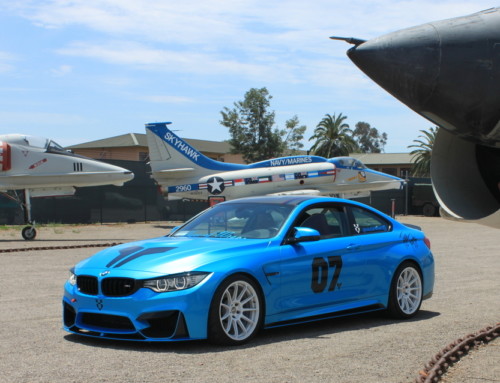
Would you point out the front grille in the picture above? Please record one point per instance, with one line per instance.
(112, 322)
(87, 284)
(118, 287)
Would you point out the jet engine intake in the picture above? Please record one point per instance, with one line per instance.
(466, 178)
(5, 162)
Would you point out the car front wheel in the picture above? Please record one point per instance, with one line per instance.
(405, 296)
(235, 312)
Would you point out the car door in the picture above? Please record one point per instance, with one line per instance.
(341, 267)
(373, 241)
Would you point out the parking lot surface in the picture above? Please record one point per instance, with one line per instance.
(364, 348)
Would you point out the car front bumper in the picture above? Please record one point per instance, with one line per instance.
(142, 316)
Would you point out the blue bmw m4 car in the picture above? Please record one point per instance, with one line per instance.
(249, 264)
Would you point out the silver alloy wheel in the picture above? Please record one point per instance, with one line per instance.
(409, 290)
(239, 310)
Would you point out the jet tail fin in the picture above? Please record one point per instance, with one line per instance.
(172, 157)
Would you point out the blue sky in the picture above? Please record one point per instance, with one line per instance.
(82, 70)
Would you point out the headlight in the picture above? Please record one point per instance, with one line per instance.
(175, 282)
(72, 277)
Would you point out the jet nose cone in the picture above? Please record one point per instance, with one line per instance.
(122, 175)
(128, 175)
(405, 63)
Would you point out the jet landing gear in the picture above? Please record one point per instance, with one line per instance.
(29, 233)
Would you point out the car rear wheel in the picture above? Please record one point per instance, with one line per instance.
(236, 311)
(405, 296)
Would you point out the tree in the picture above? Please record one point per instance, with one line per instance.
(368, 139)
(333, 137)
(251, 124)
(251, 127)
(293, 135)
(421, 155)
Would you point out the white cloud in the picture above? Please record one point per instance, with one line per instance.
(163, 99)
(239, 24)
(164, 60)
(6, 61)
(254, 38)
(62, 70)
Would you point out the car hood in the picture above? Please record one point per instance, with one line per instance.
(167, 255)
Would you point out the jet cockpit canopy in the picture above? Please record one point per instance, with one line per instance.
(33, 142)
(347, 162)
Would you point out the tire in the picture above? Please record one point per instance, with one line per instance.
(236, 312)
(405, 296)
(429, 210)
(29, 233)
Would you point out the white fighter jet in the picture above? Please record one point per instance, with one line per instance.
(42, 168)
(184, 172)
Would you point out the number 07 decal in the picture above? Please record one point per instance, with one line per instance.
(320, 270)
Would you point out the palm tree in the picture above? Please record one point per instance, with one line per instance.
(333, 137)
(422, 152)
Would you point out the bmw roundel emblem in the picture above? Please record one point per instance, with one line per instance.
(104, 273)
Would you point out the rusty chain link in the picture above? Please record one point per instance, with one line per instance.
(59, 247)
(437, 367)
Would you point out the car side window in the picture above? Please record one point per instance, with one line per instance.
(366, 222)
(329, 221)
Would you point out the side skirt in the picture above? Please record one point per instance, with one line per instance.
(337, 314)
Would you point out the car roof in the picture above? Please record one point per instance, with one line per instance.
(292, 200)
(295, 200)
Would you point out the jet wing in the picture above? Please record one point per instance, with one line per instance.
(52, 192)
(299, 192)
(174, 173)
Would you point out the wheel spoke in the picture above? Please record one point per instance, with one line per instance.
(227, 298)
(236, 328)
(249, 309)
(243, 291)
(239, 323)
(225, 315)
(234, 293)
(247, 300)
(249, 320)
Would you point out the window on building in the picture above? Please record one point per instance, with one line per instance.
(404, 172)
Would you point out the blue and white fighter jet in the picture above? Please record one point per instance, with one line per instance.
(184, 172)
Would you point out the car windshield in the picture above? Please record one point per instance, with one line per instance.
(235, 220)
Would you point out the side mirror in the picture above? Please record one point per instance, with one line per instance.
(304, 234)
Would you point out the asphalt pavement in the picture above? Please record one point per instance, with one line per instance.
(364, 348)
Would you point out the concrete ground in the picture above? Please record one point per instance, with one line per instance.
(365, 348)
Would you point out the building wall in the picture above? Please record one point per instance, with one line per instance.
(398, 170)
(123, 153)
(140, 153)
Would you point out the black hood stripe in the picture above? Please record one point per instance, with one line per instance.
(153, 250)
(124, 253)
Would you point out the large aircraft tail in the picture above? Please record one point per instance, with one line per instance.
(172, 157)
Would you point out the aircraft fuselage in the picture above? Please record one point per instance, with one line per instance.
(36, 165)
